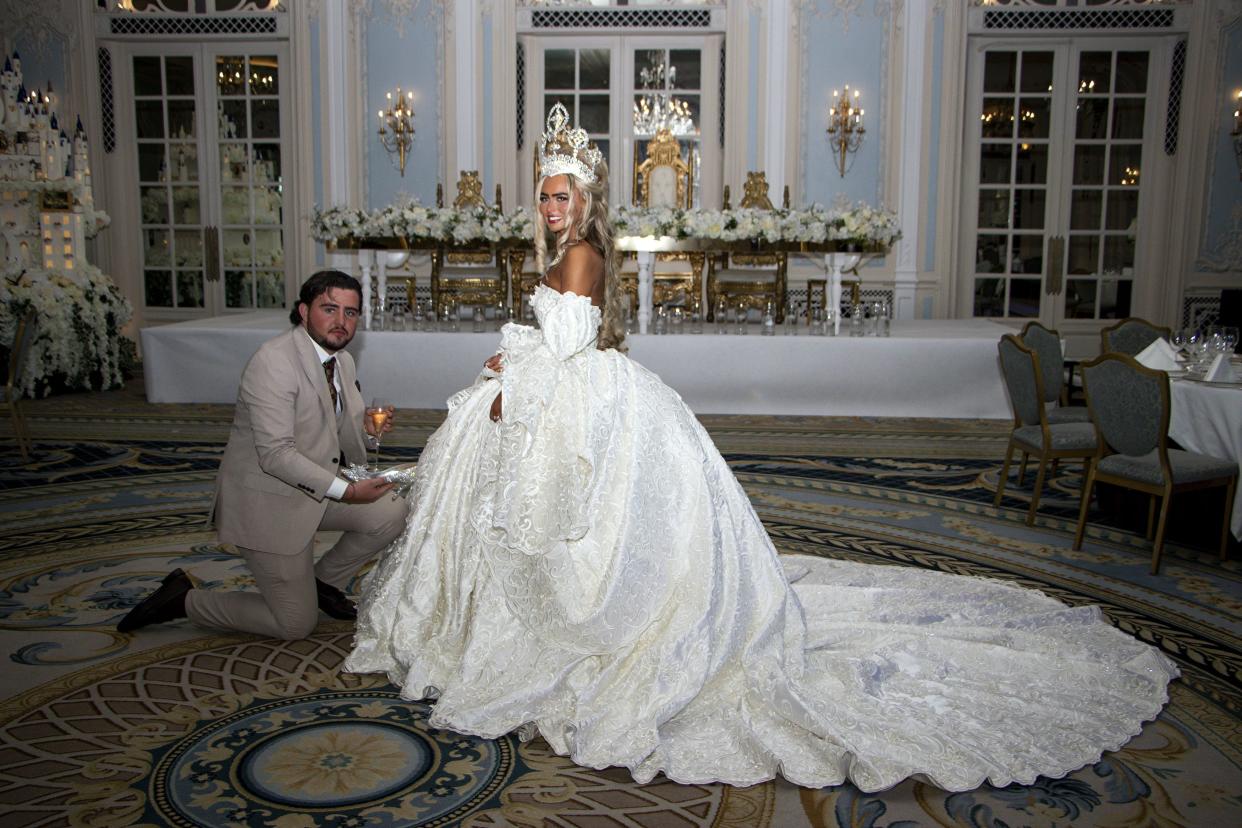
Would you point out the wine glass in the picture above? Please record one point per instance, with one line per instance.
(1178, 339)
(1230, 335)
(379, 412)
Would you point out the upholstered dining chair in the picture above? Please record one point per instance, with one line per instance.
(1130, 335)
(477, 276)
(1032, 432)
(1046, 343)
(1129, 406)
(24, 337)
(746, 278)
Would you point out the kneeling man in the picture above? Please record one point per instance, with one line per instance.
(299, 418)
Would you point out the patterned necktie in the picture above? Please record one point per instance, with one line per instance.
(329, 368)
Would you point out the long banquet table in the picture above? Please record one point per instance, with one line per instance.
(927, 368)
(1207, 418)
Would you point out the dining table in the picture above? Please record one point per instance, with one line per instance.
(1206, 417)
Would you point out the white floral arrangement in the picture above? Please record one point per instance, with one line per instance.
(861, 225)
(92, 220)
(78, 342)
(411, 220)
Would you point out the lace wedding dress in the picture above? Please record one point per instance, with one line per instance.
(590, 567)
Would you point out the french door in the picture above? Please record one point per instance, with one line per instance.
(1064, 166)
(208, 137)
(610, 83)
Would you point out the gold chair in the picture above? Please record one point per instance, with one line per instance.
(749, 279)
(471, 276)
(665, 179)
(23, 338)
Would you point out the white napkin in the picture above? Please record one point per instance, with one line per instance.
(1159, 355)
(1221, 370)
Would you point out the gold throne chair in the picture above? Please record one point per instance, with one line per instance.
(665, 179)
(468, 276)
(749, 279)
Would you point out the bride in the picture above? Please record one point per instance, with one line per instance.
(579, 560)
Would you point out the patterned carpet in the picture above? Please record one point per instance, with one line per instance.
(181, 726)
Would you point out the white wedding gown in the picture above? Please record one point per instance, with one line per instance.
(591, 567)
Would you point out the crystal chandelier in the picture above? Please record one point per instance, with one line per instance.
(657, 109)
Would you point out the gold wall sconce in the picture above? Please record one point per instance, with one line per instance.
(396, 126)
(845, 125)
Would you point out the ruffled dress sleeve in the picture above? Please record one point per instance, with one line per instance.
(544, 473)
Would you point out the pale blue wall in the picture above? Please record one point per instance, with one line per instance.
(838, 52)
(407, 60)
(316, 68)
(752, 94)
(1226, 184)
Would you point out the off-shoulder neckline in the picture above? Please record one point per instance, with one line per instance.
(543, 284)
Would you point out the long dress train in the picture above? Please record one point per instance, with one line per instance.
(591, 567)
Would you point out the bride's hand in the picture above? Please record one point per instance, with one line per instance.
(495, 413)
(494, 363)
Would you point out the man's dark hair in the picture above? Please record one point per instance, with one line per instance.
(320, 283)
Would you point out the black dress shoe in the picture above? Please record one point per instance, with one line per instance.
(165, 604)
(334, 603)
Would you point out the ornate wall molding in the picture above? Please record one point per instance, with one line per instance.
(401, 12)
(32, 27)
(846, 10)
(1225, 254)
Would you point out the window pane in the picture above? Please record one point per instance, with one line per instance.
(264, 75)
(156, 251)
(237, 289)
(147, 80)
(1032, 164)
(994, 163)
(151, 163)
(689, 66)
(235, 202)
(180, 119)
(268, 248)
(267, 162)
(990, 253)
(189, 248)
(594, 113)
(1024, 297)
(154, 205)
(265, 114)
(1037, 72)
(1080, 298)
(189, 289)
(1125, 165)
(1131, 73)
(993, 208)
(1094, 70)
(180, 74)
(270, 287)
(558, 69)
(648, 69)
(1085, 209)
(1036, 117)
(594, 68)
(1118, 255)
(1115, 299)
(157, 292)
(1028, 211)
(999, 71)
(1128, 118)
(997, 118)
(1084, 255)
(237, 251)
(1122, 209)
(1028, 254)
(1089, 164)
(230, 75)
(184, 162)
(231, 120)
(566, 101)
(149, 119)
(185, 205)
(989, 297)
(1092, 119)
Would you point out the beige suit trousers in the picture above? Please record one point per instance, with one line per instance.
(286, 605)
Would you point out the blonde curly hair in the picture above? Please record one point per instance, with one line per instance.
(595, 228)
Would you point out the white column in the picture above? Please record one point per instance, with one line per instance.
(914, 50)
(646, 264)
(337, 92)
(467, 62)
(775, 108)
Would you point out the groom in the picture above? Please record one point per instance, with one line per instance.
(299, 417)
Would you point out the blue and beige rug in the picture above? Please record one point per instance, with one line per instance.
(182, 726)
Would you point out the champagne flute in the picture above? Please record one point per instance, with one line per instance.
(379, 412)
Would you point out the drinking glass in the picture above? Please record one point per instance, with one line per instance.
(696, 318)
(886, 319)
(769, 321)
(1230, 334)
(502, 315)
(817, 321)
(1178, 339)
(479, 320)
(676, 317)
(857, 319)
(830, 321)
(378, 413)
(741, 318)
(722, 320)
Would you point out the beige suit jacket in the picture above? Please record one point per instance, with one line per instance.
(285, 446)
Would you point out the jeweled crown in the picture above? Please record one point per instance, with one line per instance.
(564, 150)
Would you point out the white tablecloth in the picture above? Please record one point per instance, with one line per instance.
(1207, 419)
(927, 368)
